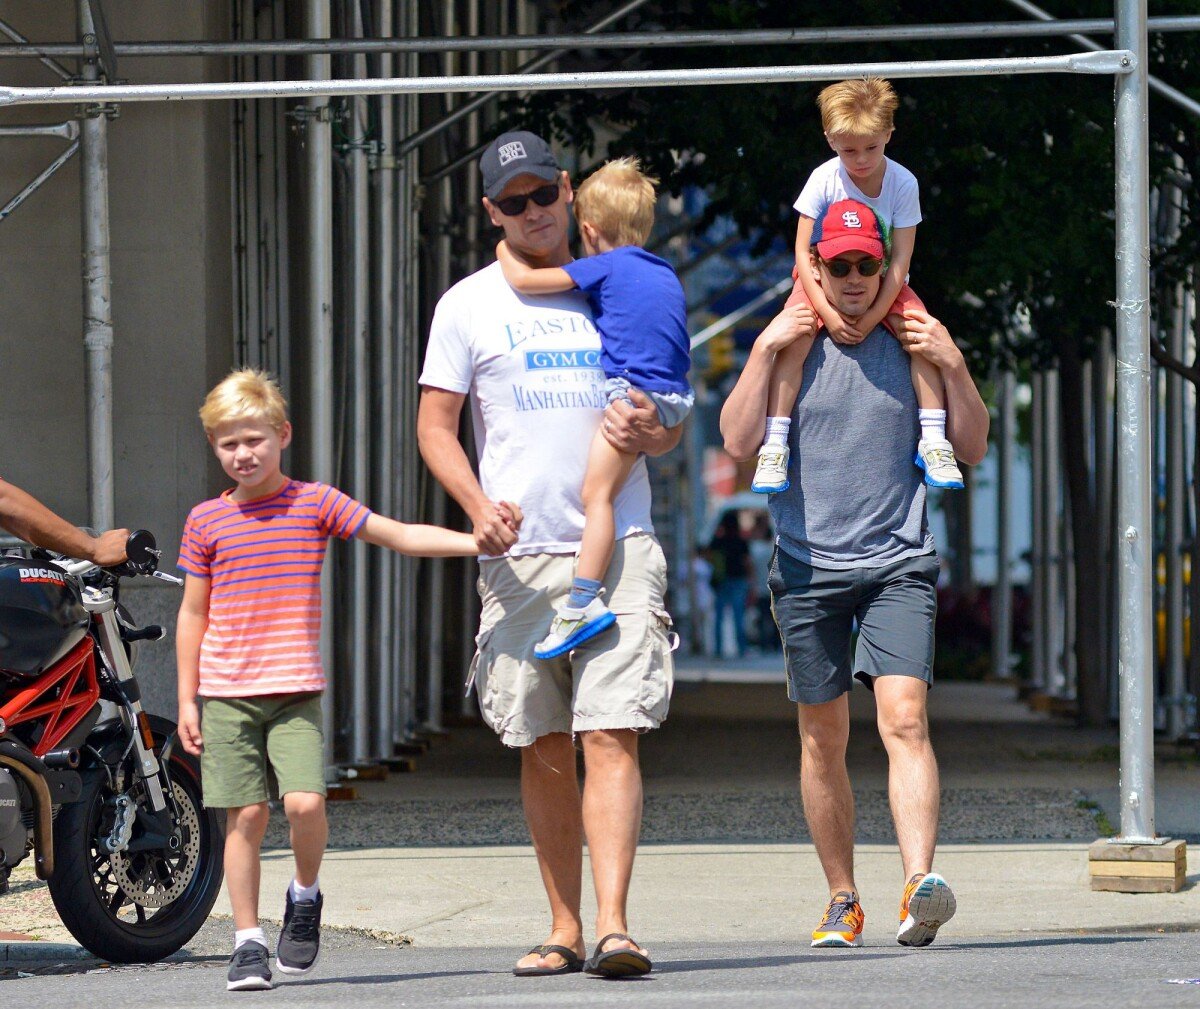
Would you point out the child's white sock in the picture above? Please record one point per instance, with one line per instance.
(933, 424)
(305, 892)
(777, 430)
(242, 936)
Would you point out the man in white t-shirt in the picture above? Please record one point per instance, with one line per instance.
(530, 367)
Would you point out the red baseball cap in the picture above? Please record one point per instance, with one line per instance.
(849, 226)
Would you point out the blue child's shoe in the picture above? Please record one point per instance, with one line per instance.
(571, 627)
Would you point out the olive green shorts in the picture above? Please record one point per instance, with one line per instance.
(258, 747)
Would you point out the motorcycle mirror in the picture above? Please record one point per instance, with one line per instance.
(140, 547)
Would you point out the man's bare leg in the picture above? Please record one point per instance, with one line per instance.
(550, 793)
(825, 789)
(612, 818)
(913, 787)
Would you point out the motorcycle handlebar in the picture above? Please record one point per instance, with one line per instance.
(141, 558)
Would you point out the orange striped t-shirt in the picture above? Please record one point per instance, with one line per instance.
(263, 562)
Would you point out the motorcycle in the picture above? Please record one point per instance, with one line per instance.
(96, 789)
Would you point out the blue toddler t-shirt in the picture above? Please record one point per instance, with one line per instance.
(640, 310)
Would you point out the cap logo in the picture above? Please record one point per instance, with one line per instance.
(510, 152)
(850, 219)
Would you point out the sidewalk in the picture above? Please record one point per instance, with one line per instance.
(725, 856)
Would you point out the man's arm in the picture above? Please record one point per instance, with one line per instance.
(967, 419)
(531, 279)
(744, 415)
(25, 516)
(437, 438)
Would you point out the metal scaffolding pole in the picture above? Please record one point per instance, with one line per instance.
(1135, 554)
(318, 157)
(360, 401)
(1002, 593)
(1037, 559)
(97, 292)
(1109, 62)
(1175, 323)
(1053, 581)
(615, 40)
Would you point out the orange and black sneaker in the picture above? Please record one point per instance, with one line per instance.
(928, 903)
(843, 922)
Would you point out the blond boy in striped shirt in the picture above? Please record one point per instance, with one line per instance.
(248, 642)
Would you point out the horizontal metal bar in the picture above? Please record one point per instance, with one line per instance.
(615, 40)
(68, 130)
(1108, 62)
(33, 186)
(736, 316)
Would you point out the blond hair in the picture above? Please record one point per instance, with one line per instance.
(858, 107)
(617, 200)
(244, 394)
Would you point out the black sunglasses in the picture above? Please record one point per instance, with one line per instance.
(543, 196)
(841, 267)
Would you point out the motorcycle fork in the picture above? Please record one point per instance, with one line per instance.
(103, 608)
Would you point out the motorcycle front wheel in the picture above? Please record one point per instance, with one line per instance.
(137, 906)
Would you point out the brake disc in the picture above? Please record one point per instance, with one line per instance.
(137, 873)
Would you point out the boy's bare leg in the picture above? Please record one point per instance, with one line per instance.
(612, 818)
(550, 793)
(309, 833)
(927, 381)
(607, 470)
(245, 828)
(787, 375)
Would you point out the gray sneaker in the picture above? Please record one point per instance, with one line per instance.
(300, 937)
(248, 968)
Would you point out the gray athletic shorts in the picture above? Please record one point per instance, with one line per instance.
(816, 608)
(620, 679)
(672, 407)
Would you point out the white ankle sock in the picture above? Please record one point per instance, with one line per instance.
(242, 936)
(777, 431)
(933, 424)
(305, 892)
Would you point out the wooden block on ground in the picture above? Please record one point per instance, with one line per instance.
(340, 793)
(400, 765)
(413, 748)
(1138, 868)
(370, 772)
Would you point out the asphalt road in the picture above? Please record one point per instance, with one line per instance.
(1059, 971)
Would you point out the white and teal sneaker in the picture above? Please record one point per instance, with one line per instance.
(571, 627)
(928, 903)
(935, 456)
(770, 475)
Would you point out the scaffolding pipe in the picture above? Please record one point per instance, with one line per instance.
(1037, 559)
(68, 130)
(97, 295)
(32, 49)
(360, 399)
(622, 40)
(1135, 553)
(1002, 593)
(318, 159)
(1156, 84)
(1118, 62)
(1176, 667)
(383, 222)
(1055, 583)
(36, 183)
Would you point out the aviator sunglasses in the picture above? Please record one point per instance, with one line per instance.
(543, 196)
(841, 267)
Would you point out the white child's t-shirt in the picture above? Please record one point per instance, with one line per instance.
(898, 203)
(531, 366)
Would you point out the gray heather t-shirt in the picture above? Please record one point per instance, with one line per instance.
(856, 499)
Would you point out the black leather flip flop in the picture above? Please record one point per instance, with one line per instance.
(571, 963)
(617, 962)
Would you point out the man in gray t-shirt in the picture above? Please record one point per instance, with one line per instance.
(854, 548)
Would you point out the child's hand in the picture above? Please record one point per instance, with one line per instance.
(512, 515)
(189, 728)
(842, 332)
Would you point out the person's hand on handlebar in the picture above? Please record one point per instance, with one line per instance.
(108, 549)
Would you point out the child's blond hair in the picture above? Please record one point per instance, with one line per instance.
(617, 200)
(244, 394)
(857, 107)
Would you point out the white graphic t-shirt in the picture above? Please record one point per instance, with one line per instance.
(898, 203)
(531, 366)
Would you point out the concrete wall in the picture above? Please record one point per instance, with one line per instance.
(171, 290)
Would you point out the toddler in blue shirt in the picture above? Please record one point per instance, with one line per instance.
(639, 308)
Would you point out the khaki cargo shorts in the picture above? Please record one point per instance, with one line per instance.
(620, 679)
(258, 747)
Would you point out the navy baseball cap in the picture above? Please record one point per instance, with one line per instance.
(513, 154)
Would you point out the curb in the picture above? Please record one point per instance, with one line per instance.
(42, 952)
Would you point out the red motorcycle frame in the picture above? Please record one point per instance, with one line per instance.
(62, 695)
